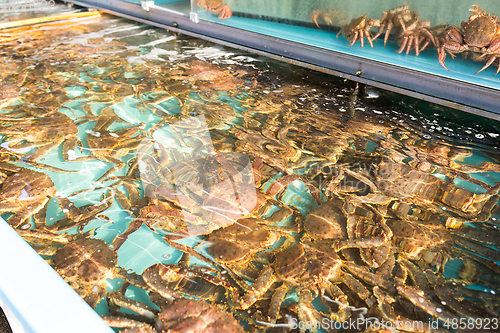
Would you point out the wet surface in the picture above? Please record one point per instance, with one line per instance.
(129, 154)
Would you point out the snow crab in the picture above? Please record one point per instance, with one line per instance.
(191, 204)
(237, 246)
(168, 283)
(216, 7)
(175, 281)
(86, 264)
(358, 29)
(79, 216)
(389, 180)
(336, 220)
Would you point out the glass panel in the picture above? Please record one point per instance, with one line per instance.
(147, 167)
(182, 6)
(433, 23)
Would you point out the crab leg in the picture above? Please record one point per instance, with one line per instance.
(118, 299)
(354, 39)
(357, 287)
(442, 56)
(461, 305)
(259, 287)
(490, 61)
(275, 305)
(134, 326)
(418, 298)
(368, 37)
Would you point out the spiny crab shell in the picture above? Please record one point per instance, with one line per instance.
(86, 264)
(480, 30)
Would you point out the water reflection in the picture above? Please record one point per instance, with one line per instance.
(287, 196)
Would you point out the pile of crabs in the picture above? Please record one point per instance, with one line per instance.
(296, 215)
(478, 38)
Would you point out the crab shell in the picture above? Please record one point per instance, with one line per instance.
(327, 221)
(428, 241)
(188, 315)
(480, 30)
(86, 264)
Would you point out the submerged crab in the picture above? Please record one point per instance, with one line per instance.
(191, 204)
(216, 7)
(167, 284)
(180, 316)
(359, 28)
(333, 16)
(10, 91)
(43, 133)
(23, 192)
(86, 264)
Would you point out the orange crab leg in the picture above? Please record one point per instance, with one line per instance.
(367, 34)
(354, 39)
(490, 61)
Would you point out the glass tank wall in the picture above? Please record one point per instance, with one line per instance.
(435, 26)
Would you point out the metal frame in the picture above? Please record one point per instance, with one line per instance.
(436, 89)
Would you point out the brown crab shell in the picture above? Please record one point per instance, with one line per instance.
(189, 315)
(85, 260)
(479, 30)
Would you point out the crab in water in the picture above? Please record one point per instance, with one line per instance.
(389, 180)
(237, 246)
(108, 146)
(86, 264)
(181, 316)
(337, 221)
(359, 28)
(23, 192)
(311, 268)
(216, 7)
(209, 77)
(177, 313)
(10, 91)
(396, 17)
(477, 37)
(190, 204)
(44, 133)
